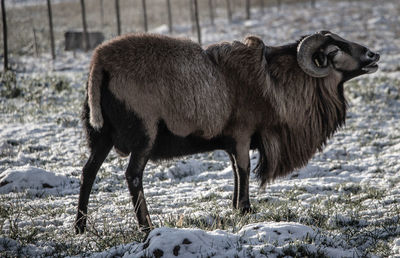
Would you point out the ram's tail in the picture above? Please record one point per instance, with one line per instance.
(94, 95)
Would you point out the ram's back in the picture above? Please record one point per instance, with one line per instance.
(163, 78)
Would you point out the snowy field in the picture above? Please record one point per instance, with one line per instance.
(344, 203)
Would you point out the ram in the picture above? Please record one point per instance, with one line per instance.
(156, 97)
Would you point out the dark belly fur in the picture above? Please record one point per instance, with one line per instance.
(168, 145)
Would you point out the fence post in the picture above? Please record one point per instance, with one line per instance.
(53, 53)
(118, 16)
(229, 10)
(5, 47)
(144, 15)
(35, 41)
(262, 6)
(102, 13)
(211, 7)
(169, 16)
(279, 4)
(196, 16)
(313, 3)
(248, 16)
(85, 33)
(192, 18)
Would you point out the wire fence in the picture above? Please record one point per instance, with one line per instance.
(34, 29)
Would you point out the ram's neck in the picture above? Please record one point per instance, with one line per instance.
(308, 111)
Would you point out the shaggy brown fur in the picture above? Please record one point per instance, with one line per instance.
(308, 112)
(227, 89)
(176, 75)
(158, 97)
(294, 114)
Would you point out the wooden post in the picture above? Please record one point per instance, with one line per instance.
(229, 10)
(169, 16)
(279, 4)
(262, 6)
(248, 16)
(196, 16)
(35, 41)
(85, 32)
(144, 15)
(102, 13)
(192, 18)
(53, 53)
(5, 47)
(313, 3)
(211, 7)
(118, 17)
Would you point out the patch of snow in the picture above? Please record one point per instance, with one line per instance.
(163, 29)
(252, 240)
(275, 232)
(396, 245)
(33, 179)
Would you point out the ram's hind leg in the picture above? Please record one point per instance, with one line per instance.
(141, 148)
(101, 146)
(134, 178)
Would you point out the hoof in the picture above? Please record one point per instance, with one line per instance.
(79, 228)
(80, 224)
(245, 208)
(146, 231)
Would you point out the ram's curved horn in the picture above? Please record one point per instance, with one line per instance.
(305, 51)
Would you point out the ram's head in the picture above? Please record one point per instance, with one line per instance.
(324, 52)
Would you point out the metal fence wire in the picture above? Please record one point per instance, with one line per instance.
(30, 23)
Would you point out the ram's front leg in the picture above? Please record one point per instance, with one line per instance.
(236, 180)
(241, 162)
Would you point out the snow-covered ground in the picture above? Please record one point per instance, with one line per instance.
(344, 203)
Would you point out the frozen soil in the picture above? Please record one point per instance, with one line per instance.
(344, 203)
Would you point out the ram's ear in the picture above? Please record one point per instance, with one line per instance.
(257, 44)
(254, 42)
